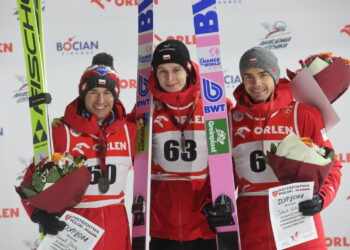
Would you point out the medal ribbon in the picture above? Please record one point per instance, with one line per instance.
(182, 126)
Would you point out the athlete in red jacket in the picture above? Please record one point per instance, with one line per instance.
(94, 121)
(180, 184)
(265, 112)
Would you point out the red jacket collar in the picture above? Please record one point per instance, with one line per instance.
(282, 97)
(73, 118)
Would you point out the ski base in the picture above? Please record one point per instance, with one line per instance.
(228, 240)
(139, 243)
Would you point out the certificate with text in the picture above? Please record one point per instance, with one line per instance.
(289, 226)
(79, 234)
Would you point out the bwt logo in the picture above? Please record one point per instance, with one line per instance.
(346, 30)
(6, 47)
(118, 3)
(186, 39)
(213, 91)
(142, 87)
(71, 47)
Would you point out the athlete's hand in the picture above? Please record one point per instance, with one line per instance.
(49, 222)
(311, 207)
(219, 215)
(57, 122)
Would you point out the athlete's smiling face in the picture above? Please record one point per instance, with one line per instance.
(172, 77)
(258, 84)
(99, 101)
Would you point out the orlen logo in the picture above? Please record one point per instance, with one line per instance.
(119, 3)
(346, 30)
(338, 241)
(127, 83)
(73, 47)
(343, 157)
(277, 36)
(21, 94)
(6, 48)
(186, 39)
(9, 213)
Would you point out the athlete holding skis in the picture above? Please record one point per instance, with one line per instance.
(94, 123)
(265, 100)
(180, 186)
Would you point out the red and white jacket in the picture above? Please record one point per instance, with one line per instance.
(79, 136)
(180, 180)
(255, 127)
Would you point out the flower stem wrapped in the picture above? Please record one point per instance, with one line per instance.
(58, 183)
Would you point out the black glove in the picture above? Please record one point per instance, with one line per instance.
(311, 207)
(221, 214)
(49, 222)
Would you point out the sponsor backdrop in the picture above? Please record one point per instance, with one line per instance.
(75, 30)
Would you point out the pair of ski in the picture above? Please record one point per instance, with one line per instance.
(30, 18)
(206, 26)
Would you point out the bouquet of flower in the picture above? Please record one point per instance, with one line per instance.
(331, 73)
(58, 183)
(297, 159)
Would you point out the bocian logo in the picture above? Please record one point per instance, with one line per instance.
(77, 47)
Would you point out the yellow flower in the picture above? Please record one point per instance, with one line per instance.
(80, 165)
(56, 157)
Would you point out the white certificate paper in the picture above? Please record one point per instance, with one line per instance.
(289, 226)
(79, 234)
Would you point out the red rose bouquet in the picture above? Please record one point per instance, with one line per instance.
(330, 72)
(58, 183)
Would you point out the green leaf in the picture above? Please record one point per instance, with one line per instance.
(28, 190)
(331, 155)
(37, 183)
(53, 175)
(273, 148)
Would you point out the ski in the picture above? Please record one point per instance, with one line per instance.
(205, 19)
(30, 17)
(143, 146)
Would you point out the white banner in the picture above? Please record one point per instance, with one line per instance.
(76, 30)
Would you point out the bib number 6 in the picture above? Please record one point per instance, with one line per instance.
(257, 161)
